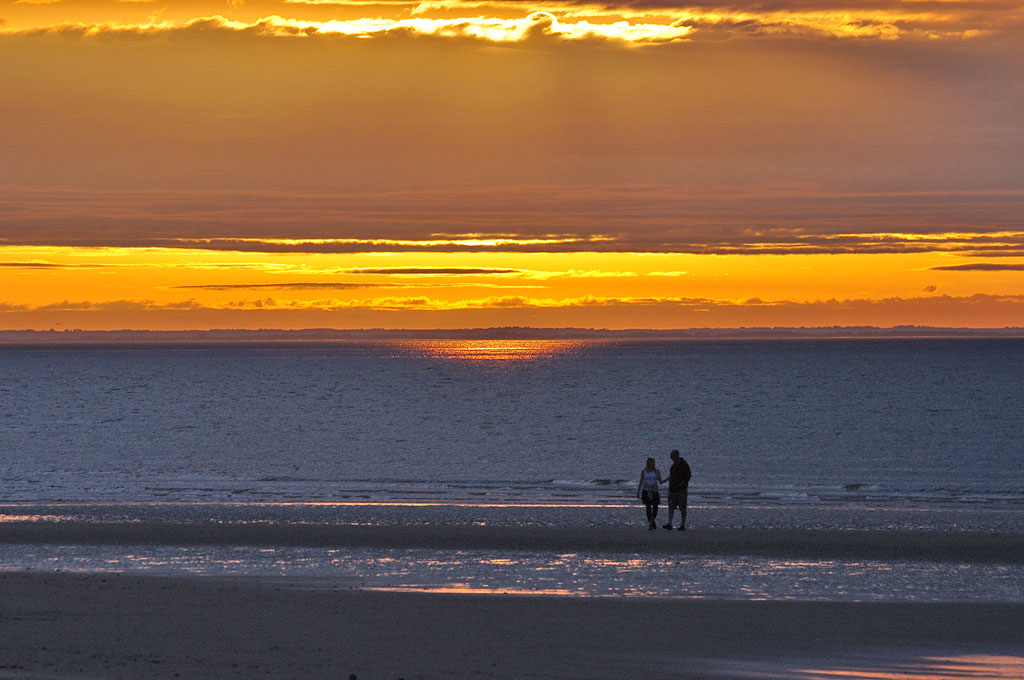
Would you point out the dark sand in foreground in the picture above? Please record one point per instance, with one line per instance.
(60, 626)
(114, 626)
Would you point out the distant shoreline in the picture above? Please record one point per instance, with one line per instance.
(110, 337)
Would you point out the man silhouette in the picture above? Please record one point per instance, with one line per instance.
(678, 485)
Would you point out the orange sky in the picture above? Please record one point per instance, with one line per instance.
(656, 164)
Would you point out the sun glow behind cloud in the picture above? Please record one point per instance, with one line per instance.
(486, 28)
(491, 29)
(504, 21)
(533, 26)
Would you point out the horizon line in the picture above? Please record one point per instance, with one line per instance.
(241, 335)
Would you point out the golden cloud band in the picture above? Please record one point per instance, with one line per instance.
(516, 22)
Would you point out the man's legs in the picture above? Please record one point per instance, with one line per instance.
(682, 510)
(671, 510)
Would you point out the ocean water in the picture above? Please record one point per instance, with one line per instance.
(878, 423)
(833, 434)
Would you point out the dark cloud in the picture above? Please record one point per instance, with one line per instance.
(349, 285)
(941, 7)
(47, 265)
(609, 219)
(433, 271)
(981, 267)
(284, 286)
(119, 306)
(1007, 252)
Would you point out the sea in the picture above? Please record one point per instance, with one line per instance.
(829, 434)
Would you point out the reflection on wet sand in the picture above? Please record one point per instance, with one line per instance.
(458, 589)
(32, 517)
(552, 572)
(894, 666)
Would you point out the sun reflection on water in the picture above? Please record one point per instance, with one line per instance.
(492, 351)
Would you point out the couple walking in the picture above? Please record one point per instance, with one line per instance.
(678, 483)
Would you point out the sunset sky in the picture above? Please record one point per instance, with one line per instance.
(446, 164)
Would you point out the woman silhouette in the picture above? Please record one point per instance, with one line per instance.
(648, 491)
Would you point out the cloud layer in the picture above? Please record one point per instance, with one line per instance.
(543, 219)
(977, 311)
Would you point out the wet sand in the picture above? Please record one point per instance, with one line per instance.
(61, 625)
(966, 547)
(115, 626)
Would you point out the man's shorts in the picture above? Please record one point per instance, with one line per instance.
(677, 499)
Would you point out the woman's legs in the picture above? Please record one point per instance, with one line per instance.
(651, 506)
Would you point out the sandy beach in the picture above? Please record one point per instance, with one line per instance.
(115, 626)
(59, 625)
